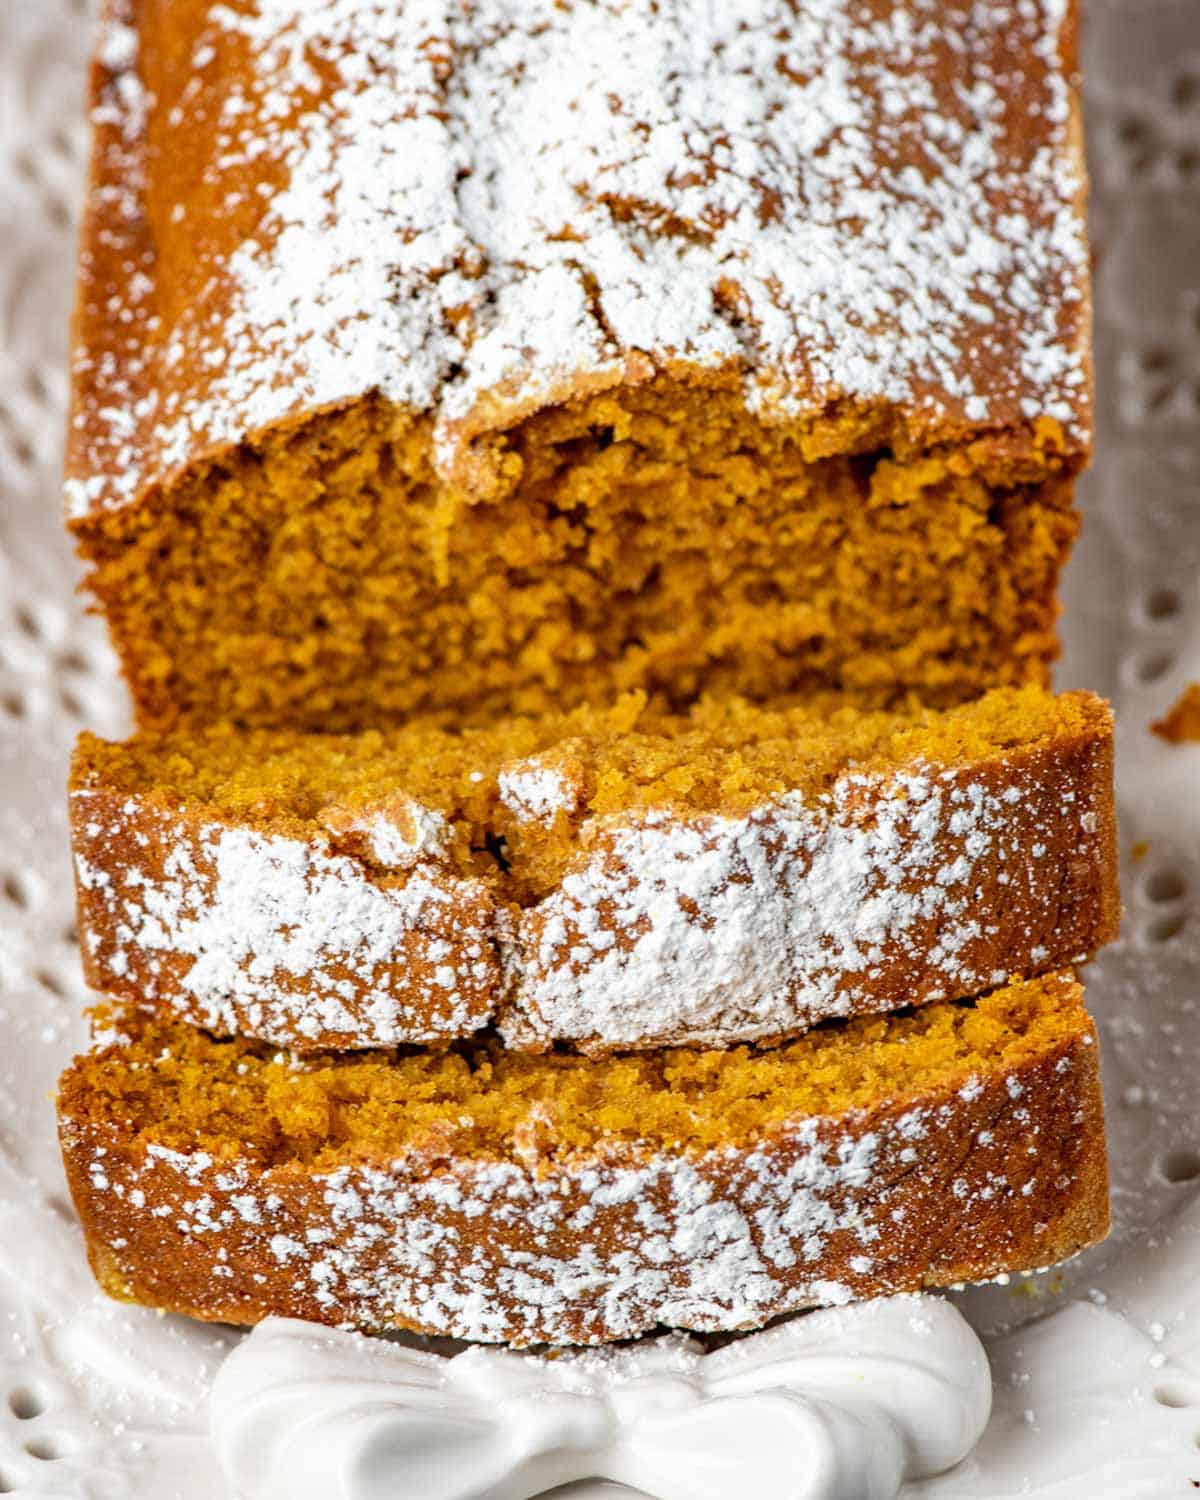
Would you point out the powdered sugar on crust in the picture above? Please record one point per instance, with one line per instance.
(624, 1238)
(400, 834)
(536, 792)
(474, 209)
(717, 929)
(278, 938)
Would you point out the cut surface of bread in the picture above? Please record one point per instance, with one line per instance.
(687, 557)
(568, 402)
(489, 1195)
(604, 879)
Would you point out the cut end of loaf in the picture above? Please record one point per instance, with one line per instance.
(657, 538)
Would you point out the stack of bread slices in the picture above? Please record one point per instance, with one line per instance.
(579, 491)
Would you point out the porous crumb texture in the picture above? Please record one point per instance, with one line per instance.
(487, 1195)
(606, 879)
(450, 359)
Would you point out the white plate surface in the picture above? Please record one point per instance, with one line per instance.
(1097, 1367)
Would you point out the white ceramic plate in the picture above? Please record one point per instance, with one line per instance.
(1098, 1397)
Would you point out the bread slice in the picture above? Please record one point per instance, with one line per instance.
(604, 880)
(493, 1196)
(405, 385)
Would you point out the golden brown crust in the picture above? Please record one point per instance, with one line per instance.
(991, 1173)
(1029, 839)
(662, 929)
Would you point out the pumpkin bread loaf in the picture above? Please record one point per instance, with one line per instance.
(502, 357)
(578, 489)
(491, 1195)
(609, 880)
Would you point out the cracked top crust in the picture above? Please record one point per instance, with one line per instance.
(864, 207)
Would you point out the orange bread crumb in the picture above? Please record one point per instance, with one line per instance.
(179, 1087)
(660, 539)
(1182, 722)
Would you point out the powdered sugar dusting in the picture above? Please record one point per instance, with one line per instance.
(397, 1244)
(496, 200)
(278, 938)
(399, 835)
(536, 792)
(715, 928)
